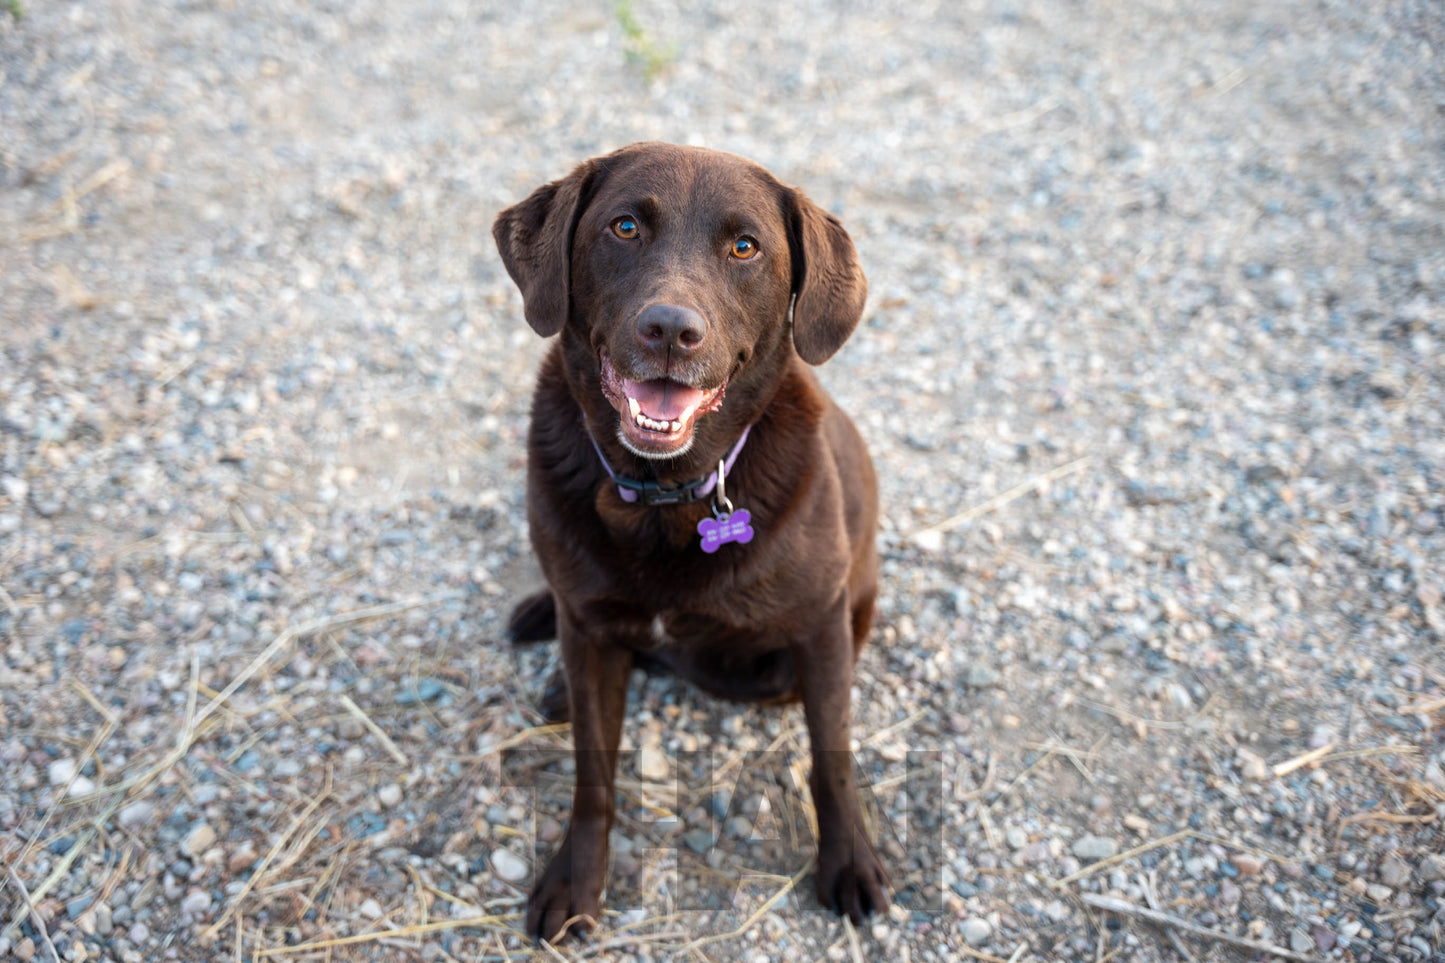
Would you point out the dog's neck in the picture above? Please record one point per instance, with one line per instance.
(652, 493)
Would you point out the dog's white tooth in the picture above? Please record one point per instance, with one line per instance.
(675, 427)
(636, 408)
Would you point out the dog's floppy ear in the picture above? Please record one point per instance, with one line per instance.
(828, 284)
(535, 241)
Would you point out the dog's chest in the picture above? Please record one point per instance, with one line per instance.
(672, 629)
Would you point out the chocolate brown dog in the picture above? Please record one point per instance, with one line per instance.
(696, 500)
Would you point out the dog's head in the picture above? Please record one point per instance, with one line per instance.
(676, 267)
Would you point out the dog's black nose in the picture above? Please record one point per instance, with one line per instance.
(671, 326)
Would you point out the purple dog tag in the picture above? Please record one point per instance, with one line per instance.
(725, 528)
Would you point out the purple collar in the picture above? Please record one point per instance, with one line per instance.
(651, 493)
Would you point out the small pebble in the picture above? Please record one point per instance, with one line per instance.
(652, 764)
(242, 858)
(1251, 765)
(389, 795)
(1248, 864)
(201, 838)
(61, 771)
(976, 931)
(171, 887)
(1394, 871)
(509, 866)
(423, 690)
(287, 768)
(1094, 848)
(197, 902)
(698, 840)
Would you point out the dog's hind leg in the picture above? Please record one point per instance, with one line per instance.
(862, 621)
(553, 705)
(534, 619)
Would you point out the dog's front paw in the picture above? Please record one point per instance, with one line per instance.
(851, 879)
(568, 888)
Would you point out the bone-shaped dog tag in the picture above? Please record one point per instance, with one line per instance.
(734, 527)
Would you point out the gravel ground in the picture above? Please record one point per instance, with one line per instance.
(1152, 372)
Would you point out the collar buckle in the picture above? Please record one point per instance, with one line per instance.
(651, 493)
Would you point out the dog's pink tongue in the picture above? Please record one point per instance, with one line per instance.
(661, 399)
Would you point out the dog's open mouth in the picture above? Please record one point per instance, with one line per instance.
(657, 416)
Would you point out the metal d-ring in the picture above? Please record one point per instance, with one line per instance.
(719, 496)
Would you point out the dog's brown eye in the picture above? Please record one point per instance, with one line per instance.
(625, 228)
(744, 248)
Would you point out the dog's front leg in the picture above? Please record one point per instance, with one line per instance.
(851, 879)
(597, 670)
